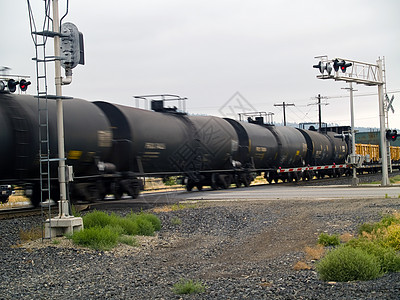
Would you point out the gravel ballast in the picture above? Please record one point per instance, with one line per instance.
(238, 250)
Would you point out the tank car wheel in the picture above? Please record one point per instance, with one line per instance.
(224, 181)
(3, 199)
(214, 183)
(34, 196)
(237, 181)
(246, 179)
(306, 176)
(116, 190)
(290, 177)
(199, 187)
(296, 176)
(189, 185)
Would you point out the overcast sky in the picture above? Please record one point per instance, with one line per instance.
(208, 51)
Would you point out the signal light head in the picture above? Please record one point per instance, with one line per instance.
(343, 65)
(322, 67)
(394, 135)
(328, 68)
(23, 85)
(336, 65)
(391, 135)
(2, 86)
(12, 85)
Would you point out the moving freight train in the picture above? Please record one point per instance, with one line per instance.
(111, 147)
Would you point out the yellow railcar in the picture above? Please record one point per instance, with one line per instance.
(367, 149)
(395, 153)
(373, 152)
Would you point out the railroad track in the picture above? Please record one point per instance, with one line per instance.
(25, 211)
(165, 197)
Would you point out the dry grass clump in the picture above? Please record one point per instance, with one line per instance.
(175, 207)
(301, 266)
(312, 254)
(31, 234)
(165, 208)
(345, 237)
(315, 253)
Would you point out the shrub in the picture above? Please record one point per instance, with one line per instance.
(188, 287)
(366, 227)
(348, 264)
(388, 220)
(328, 240)
(128, 240)
(143, 220)
(96, 219)
(103, 231)
(176, 221)
(392, 237)
(128, 226)
(96, 238)
(145, 227)
(389, 260)
(153, 219)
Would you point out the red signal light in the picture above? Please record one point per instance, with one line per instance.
(23, 84)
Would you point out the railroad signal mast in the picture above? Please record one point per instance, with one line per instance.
(361, 73)
(68, 53)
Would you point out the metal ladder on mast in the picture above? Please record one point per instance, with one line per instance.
(386, 114)
(41, 59)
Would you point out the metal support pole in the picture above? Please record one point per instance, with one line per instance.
(284, 114)
(385, 174)
(63, 203)
(319, 114)
(355, 180)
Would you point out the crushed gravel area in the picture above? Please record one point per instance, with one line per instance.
(238, 250)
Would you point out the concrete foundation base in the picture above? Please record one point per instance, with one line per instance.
(61, 226)
(355, 181)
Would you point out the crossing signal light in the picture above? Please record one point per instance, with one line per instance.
(12, 85)
(336, 65)
(344, 65)
(2, 86)
(322, 67)
(23, 84)
(391, 135)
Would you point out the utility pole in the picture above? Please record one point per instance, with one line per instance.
(319, 97)
(284, 104)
